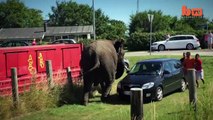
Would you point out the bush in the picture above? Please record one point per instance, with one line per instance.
(141, 41)
(40, 97)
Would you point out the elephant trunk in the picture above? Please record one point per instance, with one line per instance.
(120, 70)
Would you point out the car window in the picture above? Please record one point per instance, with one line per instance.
(71, 41)
(189, 37)
(67, 41)
(19, 44)
(178, 38)
(182, 38)
(172, 38)
(167, 67)
(8, 44)
(56, 42)
(147, 68)
(172, 64)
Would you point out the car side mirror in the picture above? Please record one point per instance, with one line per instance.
(166, 72)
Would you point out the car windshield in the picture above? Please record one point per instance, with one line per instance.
(146, 68)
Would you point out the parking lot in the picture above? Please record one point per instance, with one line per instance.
(204, 52)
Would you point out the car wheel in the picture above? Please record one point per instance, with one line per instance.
(189, 46)
(183, 85)
(159, 94)
(161, 47)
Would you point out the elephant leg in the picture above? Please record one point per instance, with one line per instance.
(87, 89)
(106, 90)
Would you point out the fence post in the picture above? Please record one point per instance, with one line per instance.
(69, 77)
(136, 104)
(191, 78)
(49, 73)
(15, 87)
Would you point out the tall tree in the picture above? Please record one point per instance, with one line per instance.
(115, 29)
(71, 14)
(25, 17)
(195, 23)
(139, 22)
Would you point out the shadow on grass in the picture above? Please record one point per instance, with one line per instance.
(73, 95)
(117, 100)
(70, 95)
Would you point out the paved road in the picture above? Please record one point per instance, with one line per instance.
(171, 52)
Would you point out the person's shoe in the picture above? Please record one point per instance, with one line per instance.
(203, 81)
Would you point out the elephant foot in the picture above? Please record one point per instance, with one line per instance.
(105, 99)
(84, 103)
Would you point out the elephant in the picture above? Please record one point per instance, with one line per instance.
(101, 63)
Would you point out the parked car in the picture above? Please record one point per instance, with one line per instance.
(14, 44)
(157, 77)
(65, 41)
(189, 42)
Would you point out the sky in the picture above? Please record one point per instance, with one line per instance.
(122, 9)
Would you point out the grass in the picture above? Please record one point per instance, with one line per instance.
(174, 106)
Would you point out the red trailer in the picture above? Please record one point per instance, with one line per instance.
(30, 61)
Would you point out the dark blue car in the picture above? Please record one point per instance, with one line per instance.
(156, 77)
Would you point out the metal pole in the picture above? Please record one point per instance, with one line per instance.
(137, 6)
(207, 26)
(93, 6)
(150, 49)
(136, 104)
(15, 87)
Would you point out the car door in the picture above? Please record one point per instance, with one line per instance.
(171, 43)
(176, 74)
(167, 77)
(182, 42)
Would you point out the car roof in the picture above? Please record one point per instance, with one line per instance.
(181, 35)
(156, 60)
(65, 39)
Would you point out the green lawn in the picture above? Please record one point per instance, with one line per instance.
(172, 107)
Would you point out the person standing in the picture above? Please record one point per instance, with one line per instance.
(34, 42)
(199, 69)
(168, 36)
(210, 39)
(188, 64)
(183, 58)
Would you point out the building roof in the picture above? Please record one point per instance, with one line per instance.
(38, 33)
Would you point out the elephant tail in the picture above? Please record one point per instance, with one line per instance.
(97, 65)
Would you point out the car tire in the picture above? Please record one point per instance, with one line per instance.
(159, 94)
(183, 85)
(189, 46)
(161, 47)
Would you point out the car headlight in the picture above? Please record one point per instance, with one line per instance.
(119, 85)
(154, 43)
(148, 85)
